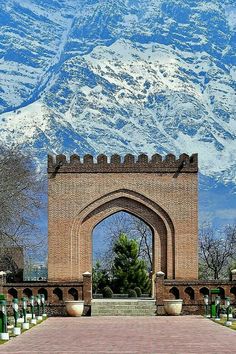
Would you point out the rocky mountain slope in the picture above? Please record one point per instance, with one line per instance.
(121, 76)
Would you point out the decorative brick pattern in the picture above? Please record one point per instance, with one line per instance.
(164, 193)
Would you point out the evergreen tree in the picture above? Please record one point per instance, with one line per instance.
(100, 278)
(128, 270)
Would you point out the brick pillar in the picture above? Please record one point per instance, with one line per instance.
(34, 291)
(233, 274)
(66, 296)
(20, 293)
(2, 281)
(182, 294)
(50, 295)
(87, 288)
(160, 292)
(160, 287)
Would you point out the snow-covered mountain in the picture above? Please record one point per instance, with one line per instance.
(121, 76)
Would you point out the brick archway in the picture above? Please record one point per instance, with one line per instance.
(138, 205)
(161, 192)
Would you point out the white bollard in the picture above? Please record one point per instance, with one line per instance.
(4, 336)
(16, 331)
(25, 325)
(39, 318)
(228, 323)
(33, 321)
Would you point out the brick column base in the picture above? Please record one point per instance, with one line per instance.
(160, 290)
(87, 288)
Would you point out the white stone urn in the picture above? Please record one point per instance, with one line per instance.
(74, 308)
(173, 307)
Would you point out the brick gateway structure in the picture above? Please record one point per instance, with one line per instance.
(162, 192)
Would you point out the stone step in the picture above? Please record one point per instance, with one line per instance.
(116, 307)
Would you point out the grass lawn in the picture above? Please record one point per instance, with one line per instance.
(222, 322)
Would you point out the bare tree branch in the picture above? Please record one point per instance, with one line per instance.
(134, 228)
(217, 250)
(22, 196)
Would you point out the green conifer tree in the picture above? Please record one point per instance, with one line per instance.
(128, 270)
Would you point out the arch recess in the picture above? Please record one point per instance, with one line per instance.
(58, 294)
(139, 205)
(27, 292)
(13, 293)
(44, 292)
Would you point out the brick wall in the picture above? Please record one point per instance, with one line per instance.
(192, 292)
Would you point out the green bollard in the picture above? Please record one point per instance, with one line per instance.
(16, 330)
(4, 335)
(24, 308)
(25, 324)
(43, 305)
(217, 302)
(32, 306)
(38, 300)
(206, 302)
(227, 305)
(15, 310)
(33, 319)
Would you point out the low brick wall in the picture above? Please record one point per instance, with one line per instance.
(192, 292)
(55, 293)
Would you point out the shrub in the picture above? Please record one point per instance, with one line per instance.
(138, 291)
(132, 293)
(107, 292)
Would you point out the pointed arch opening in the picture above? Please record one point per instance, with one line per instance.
(124, 229)
(139, 206)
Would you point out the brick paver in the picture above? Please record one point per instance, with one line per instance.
(167, 335)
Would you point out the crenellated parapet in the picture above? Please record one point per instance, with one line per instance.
(128, 164)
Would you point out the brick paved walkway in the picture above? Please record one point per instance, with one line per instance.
(87, 335)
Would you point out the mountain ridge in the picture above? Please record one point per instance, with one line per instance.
(121, 76)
